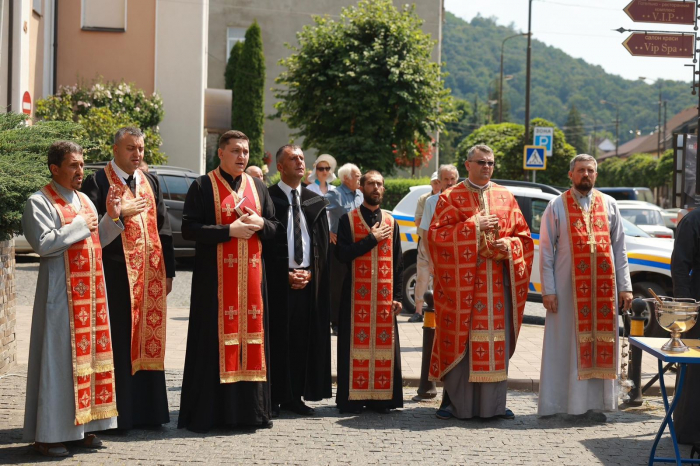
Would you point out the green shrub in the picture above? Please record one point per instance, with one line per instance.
(102, 108)
(397, 188)
(23, 169)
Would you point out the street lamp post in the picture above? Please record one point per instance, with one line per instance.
(617, 123)
(527, 78)
(500, 92)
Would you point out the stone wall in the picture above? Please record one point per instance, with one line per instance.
(8, 343)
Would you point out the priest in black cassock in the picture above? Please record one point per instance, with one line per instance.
(369, 354)
(685, 273)
(297, 272)
(227, 365)
(136, 287)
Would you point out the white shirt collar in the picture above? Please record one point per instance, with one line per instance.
(123, 175)
(288, 190)
(474, 185)
(582, 196)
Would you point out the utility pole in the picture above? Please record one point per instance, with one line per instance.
(658, 130)
(527, 81)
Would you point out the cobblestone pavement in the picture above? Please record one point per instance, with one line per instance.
(408, 436)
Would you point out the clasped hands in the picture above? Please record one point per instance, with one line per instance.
(488, 222)
(299, 278)
(246, 225)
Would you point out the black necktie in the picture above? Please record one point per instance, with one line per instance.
(131, 182)
(296, 213)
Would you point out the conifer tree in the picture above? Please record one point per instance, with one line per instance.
(232, 64)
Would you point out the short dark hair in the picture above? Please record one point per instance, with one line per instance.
(283, 149)
(232, 134)
(59, 150)
(363, 178)
(130, 130)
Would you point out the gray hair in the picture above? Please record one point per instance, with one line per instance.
(479, 147)
(131, 130)
(283, 150)
(346, 170)
(447, 166)
(582, 158)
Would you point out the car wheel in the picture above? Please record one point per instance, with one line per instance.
(651, 326)
(409, 288)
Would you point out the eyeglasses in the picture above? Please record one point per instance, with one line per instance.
(324, 169)
(483, 162)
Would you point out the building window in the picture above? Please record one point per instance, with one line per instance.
(233, 35)
(36, 6)
(104, 15)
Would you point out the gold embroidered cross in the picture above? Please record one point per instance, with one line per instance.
(592, 242)
(228, 209)
(255, 261)
(231, 312)
(230, 260)
(79, 261)
(254, 312)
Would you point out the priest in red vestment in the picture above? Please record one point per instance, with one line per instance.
(227, 365)
(481, 251)
(369, 354)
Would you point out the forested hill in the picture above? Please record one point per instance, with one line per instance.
(472, 53)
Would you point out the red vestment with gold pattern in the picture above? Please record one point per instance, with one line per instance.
(469, 286)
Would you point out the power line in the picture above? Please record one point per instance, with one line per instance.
(578, 5)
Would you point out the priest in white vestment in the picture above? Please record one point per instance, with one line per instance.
(567, 386)
(50, 410)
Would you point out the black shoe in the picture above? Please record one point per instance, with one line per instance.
(350, 411)
(275, 410)
(416, 318)
(267, 424)
(299, 408)
(381, 410)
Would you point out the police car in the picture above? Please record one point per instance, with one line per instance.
(649, 258)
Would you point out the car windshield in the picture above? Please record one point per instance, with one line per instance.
(643, 216)
(632, 230)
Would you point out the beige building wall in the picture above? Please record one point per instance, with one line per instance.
(181, 77)
(280, 20)
(87, 55)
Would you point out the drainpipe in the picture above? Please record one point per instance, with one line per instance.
(10, 46)
(54, 85)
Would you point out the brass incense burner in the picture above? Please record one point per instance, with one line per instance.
(676, 315)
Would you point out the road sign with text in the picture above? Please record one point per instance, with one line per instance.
(641, 44)
(544, 136)
(534, 158)
(660, 11)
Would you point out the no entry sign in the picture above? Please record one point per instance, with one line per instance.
(27, 103)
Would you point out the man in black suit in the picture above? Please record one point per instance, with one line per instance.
(299, 298)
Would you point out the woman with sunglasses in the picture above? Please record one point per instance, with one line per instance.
(322, 175)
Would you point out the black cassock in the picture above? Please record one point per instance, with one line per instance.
(142, 398)
(346, 251)
(685, 272)
(301, 348)
(205, 402)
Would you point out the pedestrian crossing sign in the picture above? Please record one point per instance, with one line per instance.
(534, 158)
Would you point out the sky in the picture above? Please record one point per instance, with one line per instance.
(582, 29)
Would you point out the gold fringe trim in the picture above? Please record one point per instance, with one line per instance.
(356, 395)
(104, 366)
(242, 378)
(254, 342)
(480, 337)
(98, 416)
(606, 339)
(83, 371)
(585, 338)
(606, 375)
(231, 341)
(83, 418)
(146, 366)
(497, 377)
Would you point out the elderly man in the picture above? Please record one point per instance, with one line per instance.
(343, 200)
(255, 172)
(137, 287)
(369, 354)
(422, 264)
(297, 273)
(584, 273)
(481, 251)
(70, 379)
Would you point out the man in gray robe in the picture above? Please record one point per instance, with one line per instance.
(561, 390)
(50, 412)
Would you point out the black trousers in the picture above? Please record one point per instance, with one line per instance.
(300, 302)
(338, 270)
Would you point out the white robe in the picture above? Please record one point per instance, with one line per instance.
(49, 413)
(560, 389)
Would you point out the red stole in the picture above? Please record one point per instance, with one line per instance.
(372, 322)
(91, 343)
(145, 269)
(241, 313)
(469, 288)
(593, 275)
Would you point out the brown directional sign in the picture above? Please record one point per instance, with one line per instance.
(641, 44)
(661, 11)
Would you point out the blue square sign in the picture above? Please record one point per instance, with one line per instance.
(535, 158)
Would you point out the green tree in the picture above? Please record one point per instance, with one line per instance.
(573, 130)
(104, 107)
(23, 170)
(232, 65)
(364, 87)
(664, 169)
(455, 131)
(249, 93)
(506, 140)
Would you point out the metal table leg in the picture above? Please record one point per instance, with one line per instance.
(668, 420)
